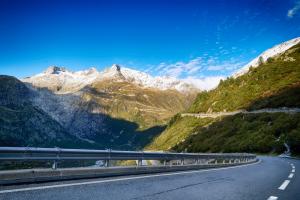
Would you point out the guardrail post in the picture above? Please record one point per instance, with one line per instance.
(140, 162)
(54, 164)
(106, 163)
(182, 162)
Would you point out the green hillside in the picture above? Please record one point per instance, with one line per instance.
(273, 84)
(178, 129)
(255, 89)
(262, 133)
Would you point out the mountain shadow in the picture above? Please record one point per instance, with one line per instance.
(26, 122)
(23, 124)
(124, 135)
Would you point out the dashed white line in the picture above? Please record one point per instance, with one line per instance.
(293, 170)
(284, 185)
(272, 198)
(291, 175)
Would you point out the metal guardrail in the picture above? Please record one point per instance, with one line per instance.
(58, 154)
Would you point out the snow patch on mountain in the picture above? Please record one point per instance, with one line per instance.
(163, 83)
(272, 52)
(60, 80)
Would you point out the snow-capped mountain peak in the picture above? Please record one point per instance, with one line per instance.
(114, 72)
(116, 67)
(89, 71)
(270, 53)
(54, 70)
(146, 80)
(61, 80)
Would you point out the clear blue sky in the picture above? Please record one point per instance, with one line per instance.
(181, 38)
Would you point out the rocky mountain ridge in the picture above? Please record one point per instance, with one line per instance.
(62, 81)
(117, 107)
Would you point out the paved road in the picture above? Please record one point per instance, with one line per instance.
(254, 181)
(220, 114)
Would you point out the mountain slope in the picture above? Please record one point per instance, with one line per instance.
(273, 84)
(268, 54)
(23, 124)
(270, 78)
(117, 108)
(258, 133)
(146, 106)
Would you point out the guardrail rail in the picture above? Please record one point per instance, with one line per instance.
(167, 162)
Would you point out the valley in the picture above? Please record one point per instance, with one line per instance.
(109, 109)
(254, 110)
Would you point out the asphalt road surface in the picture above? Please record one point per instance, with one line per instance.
(272, 178)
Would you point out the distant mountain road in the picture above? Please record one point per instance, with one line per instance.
(220, 114)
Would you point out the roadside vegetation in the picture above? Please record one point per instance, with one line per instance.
(262, 133)
(178, 129)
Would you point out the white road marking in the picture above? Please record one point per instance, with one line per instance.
(272, 198)
(293, 170)
(293, 167)
(291, 175)
(284, 185)
(119, 179)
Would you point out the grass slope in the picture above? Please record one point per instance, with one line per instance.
(275, 76)
(273, 84)
(145, 106)
(263, 133)
(178, 129)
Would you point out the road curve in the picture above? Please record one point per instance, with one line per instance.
(269, 179)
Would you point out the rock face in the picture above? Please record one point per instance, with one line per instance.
(24, 124)
(12, 91)
(116, 108)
